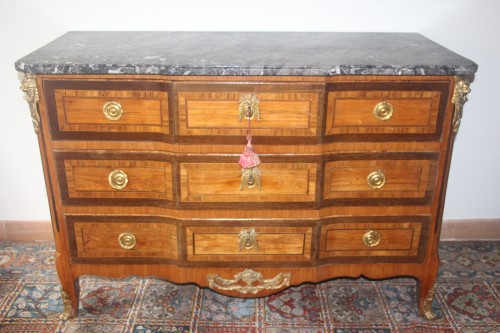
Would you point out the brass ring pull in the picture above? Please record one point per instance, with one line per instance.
(118, 179)
(376, 179)
(248, 239)
(249, 107)
(371, 238)
(127, 241)
(383, 111)
(112, 111)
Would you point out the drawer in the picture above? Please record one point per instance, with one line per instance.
(91, 109)
(391, 178)
(382, 112)
(248, 243)
(116, 179)
(214, 110)
(221, 182)
(125, 240)
(112, 111)
(356, 239)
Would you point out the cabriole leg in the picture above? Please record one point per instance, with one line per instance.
(425, 306)
(426, 289)
(69, 288)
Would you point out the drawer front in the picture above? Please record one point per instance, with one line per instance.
(372, 179)
(111, 109)
(221, 182)
(116, 179)
(215, 110)
(384, 239)
(384, 112)
(125, 240)
(248, 243)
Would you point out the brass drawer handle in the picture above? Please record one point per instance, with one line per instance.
(112, 111)
(250, 177)
(127, 241)
(376, 179)
(371, 238)
(118, 179)
(248, 239)
(249, 107)
(383, 111)
(249, 281)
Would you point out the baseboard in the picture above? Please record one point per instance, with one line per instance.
(24, 231)
(464, 229)
(471, 229)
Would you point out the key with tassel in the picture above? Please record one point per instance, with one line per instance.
(249, 160)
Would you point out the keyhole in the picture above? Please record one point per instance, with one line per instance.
(248, 244)
(251, 181)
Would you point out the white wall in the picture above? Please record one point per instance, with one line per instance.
(468, 27)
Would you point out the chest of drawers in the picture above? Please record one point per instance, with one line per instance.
(141, 156)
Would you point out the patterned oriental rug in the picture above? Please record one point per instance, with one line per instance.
(467, 300)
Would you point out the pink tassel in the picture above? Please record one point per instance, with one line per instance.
(249, 158)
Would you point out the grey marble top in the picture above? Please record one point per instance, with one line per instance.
(244, 53)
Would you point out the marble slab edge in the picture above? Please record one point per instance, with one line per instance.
(152, 69)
